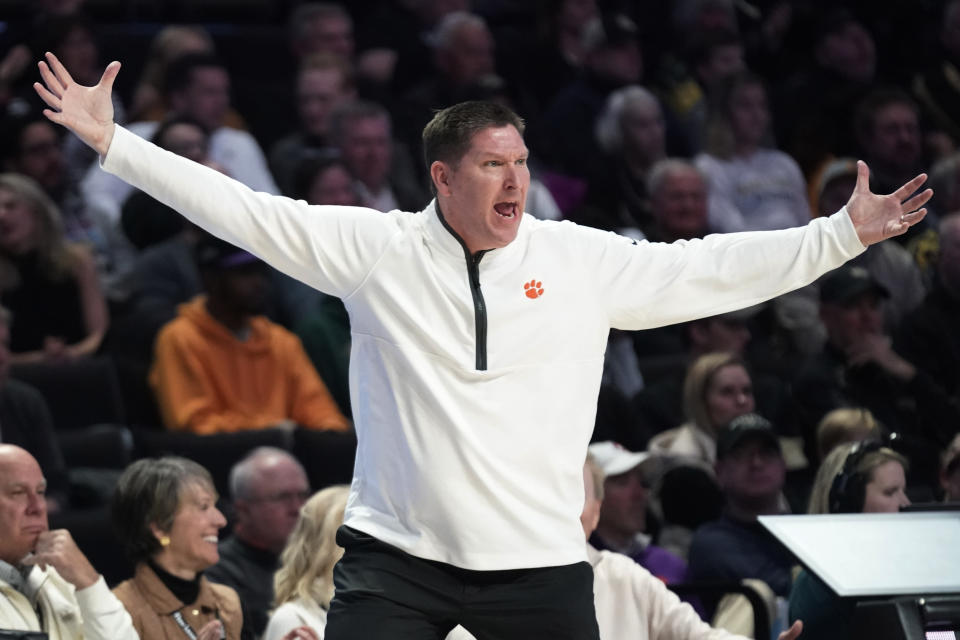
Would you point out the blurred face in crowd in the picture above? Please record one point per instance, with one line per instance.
(729, 394)
(749, 115)
(680, 205)
(886, 491)
(718, 334)
(333, 185)
(78, 52)
(367, 150)
(319, 92)
(849, 51)
(194, 533)
(643, 131)
(206, 98)
(41, 156)
(19, 226)
(624, 508)
(328, 34)
(836, 194)
(469, 55)
(752, 474)
(267, 516)
(23, 510)
(484, 194)
(847, 322)
(186, 140)
(724, 61)
(245, 287)
(896, 136)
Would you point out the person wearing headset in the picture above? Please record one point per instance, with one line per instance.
(862, 477)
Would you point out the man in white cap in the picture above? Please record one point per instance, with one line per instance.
(623, 516)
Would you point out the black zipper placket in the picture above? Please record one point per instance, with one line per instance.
(479, 306)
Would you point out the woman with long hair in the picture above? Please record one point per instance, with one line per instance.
(303, 586)
(49, 284)
(717, 389)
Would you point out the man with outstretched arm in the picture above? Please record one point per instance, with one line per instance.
(478, 340)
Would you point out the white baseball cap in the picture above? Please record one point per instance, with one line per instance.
(613, 458)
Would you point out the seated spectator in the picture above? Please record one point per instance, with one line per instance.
(934, 86)
(859, 368)
(716, 390)
(25, 421)
(165, 515)
(838, 67)
(928, 336)
(854, 478)
(323, 83)
(221, 367)
(713, 55)
(622, 526)
(362, 132)
(463, 52)
(630, 603)
(950, 471)
(169, 43)
(612, 59)
(32, 146)
(49, 587)
(267, 489)
(887, 125)
(49, 284)
(751, 185)
(845, 426)
(750, 471)
(630, 133)
(678, 201)
(304, 582)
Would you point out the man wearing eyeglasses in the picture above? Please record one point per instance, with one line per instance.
(267, 487)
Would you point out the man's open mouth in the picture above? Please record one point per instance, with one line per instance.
(506, 209)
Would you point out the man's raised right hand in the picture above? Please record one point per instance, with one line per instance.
(86, 111)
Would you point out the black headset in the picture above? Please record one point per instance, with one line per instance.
(849, 489)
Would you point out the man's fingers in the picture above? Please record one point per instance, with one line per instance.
(59, 70)
(904, 192)
(109, 75)
(917, 201)
(52, 101)
(863, 177)
(52, 82)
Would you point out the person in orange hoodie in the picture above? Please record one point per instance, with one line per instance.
(221, 367)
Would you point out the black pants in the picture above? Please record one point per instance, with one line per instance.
(385, 593)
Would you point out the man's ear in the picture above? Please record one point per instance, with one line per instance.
(441, 173)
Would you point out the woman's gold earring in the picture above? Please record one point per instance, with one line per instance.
(164, 541)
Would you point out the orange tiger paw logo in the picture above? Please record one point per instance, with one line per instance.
(533, 289)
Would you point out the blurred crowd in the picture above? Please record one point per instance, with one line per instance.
(128, 333)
